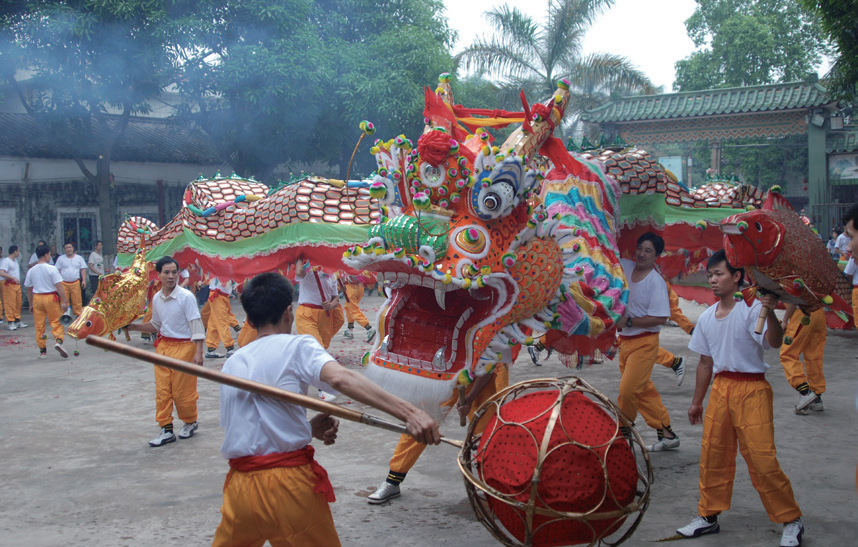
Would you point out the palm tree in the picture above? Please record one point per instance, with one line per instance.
(527, 56)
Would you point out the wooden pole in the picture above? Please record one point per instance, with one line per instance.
(253, 387)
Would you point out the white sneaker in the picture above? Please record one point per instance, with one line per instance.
(43, 354)
(211, 354)
(679, 369)
(806, 400)
(384, 493)
(698, 527)
(792, 533)
(20, 325)
(370, 334)
(327, 397)
(664, 444)
(59, 347)
(188, 430)
(12, 326)
(817, 406)
(348, 334)
(164, 438)
(230, 352)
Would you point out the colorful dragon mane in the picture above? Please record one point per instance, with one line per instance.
(480, 250)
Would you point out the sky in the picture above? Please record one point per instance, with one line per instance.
(650, 33)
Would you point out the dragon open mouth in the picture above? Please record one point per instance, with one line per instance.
(426, 325)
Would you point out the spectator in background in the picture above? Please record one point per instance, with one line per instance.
(34, 259)
(54, 254)
(72, 268)
(95, 265)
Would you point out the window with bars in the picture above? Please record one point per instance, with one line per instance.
(79, 228)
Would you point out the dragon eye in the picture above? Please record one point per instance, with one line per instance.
(89, 323)
(496, 200)
(491, 202)
(759, 227)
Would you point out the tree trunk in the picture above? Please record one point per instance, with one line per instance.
(106, 208)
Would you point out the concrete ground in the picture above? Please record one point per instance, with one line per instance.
(76, 468)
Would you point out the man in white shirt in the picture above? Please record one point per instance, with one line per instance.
(35, 259)
(275, 490)
(46, 294)
(95, 267)
(841, 244)
(10, 276)
(319, 313)
(176, 320)
(648, 309)
(739, 413)
(73, 269)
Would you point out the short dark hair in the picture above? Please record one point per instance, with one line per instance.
(656, 241)
(163, 261)
(265, 299)
(851, 214)
(97, 241)
(41, 242)
(720, 256)
(42, 250)
(12, 248)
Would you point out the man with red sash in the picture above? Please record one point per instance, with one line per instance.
(647, 310)
(353, 288)
(10, 283)
(319, 313)
(46, 294)
(275, 491)
(739, 413)
(176, 320)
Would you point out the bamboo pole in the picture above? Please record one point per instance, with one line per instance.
(253, 387)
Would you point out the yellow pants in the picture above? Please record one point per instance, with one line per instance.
(353, 313)
(218, 325)
(855, 306)
(73, 294)
(317, 323)
(810, 342)
(408, 450)
(206, 313)
(175, 388)
(664, 357)
(247, 335)
(740, 413)
(12, 301)
(275, 505)
(676, 314)
(637, 392)
(47, 306)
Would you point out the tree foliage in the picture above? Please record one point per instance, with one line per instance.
(839, 20)
(749, 42)
(526, 55)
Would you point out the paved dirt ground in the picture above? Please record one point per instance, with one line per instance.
(77, 469)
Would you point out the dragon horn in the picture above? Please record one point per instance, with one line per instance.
(527, 143)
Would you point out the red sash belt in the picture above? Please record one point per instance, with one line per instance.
(295, 458)
(56, 296)
(11, 282)
(635, 336)
(312, 306)
(215, 292)
(742, 376)
(168, 339)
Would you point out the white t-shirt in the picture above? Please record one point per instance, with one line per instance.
(34, 259)
(842, 243)
(70, 267)
(647, 297)
(97, 263)
(43, 278)
(731, 342)
(255, 425)
(177, 315)
(309, 293)
(11, 267)
(851, 269)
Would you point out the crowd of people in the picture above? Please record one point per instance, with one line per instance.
(276, 491)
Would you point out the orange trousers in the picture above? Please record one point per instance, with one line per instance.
(247, 335)
(47, 306)
(353, 313)
(175, 388)
(73, 295)
(664, 357)
(740, 413)
(408, 450)
(676, 314)
(206, 313)
(218, 325)
(637, 392)
(855, 306)
(810, 342)
(11, 301)
(317, 323)
(276, 505)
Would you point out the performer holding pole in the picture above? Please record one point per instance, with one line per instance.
(739, 413)
(176, 320)
(275, 490)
